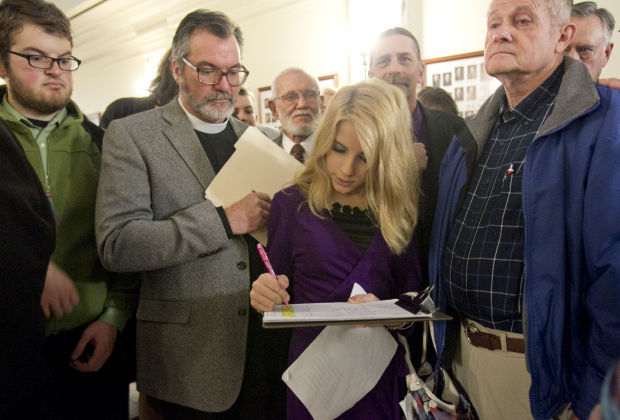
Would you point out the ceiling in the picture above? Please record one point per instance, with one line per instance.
(116, 29)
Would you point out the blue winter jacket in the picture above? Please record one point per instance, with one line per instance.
(571, 205)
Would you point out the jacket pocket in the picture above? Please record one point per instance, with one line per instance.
(176, 312)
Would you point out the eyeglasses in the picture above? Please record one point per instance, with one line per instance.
(44, 62)
(291, 98)
(208, 76)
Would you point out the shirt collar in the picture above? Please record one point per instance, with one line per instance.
(307, 143)
(203, 126)
(17, 116)
(543, 96)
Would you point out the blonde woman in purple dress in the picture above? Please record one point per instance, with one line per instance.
(349, 218)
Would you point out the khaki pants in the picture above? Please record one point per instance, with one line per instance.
(497, 381)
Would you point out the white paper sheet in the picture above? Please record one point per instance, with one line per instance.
(340, 366)
(258, 164)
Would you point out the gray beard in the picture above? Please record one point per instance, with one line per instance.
(202, 107)
(300, 130)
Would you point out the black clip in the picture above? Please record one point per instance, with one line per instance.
(415, 302)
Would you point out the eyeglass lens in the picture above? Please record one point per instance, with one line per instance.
(293, 97)
(213, 77)
(43, 62)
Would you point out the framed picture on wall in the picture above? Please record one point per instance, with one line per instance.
(463, 76)
(264, 113)
(329, 80)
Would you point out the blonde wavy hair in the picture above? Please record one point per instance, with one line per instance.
(380, 115)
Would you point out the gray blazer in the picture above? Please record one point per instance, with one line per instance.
(278, 140)
(152, 217)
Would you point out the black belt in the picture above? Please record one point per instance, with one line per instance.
(488, 341)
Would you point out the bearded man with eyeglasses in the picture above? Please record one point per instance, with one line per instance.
(86, 307)
(297, 103)
(200, 349)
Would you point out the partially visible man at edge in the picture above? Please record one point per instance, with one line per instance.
(26, 243)
(592, 42)
(526, 239)
(86, 306)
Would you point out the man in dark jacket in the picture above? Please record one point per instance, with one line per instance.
(395, 58)
(26, 243)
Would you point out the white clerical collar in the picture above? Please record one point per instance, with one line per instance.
(203, 126)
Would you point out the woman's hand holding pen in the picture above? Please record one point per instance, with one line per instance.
(267, 292)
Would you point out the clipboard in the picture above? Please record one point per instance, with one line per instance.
(384, 312)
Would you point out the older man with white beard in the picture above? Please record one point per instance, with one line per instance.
(297, 103)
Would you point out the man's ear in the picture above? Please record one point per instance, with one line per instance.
(421, 74)
(176, 70)
(608, 48)
(567, 33)
(272, 107)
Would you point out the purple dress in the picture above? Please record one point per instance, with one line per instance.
(322, 264)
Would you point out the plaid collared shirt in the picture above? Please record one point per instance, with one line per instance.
(483, 259)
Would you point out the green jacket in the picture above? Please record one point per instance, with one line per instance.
(73, 162)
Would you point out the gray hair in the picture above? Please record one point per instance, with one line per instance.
(289, 71)
(588, 8)
(215, 23)
(559, 11)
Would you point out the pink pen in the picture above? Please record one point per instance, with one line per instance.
(263, 256)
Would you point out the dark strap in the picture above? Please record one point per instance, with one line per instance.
(96, 133)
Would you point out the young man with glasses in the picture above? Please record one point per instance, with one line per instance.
(84, 305)
(201, 352)
(297, 103)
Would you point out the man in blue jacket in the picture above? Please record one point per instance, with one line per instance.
(525, 251)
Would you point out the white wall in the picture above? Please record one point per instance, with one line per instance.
(463, 28)
(303, 35)
(313, 34)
